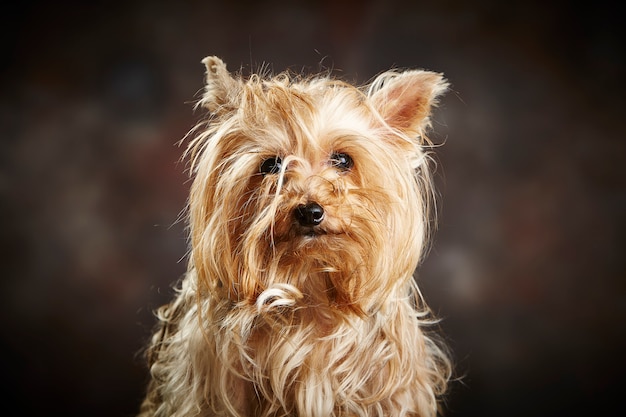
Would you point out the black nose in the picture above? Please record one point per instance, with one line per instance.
(310, 214)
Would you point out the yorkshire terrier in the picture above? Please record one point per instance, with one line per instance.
(308, 214)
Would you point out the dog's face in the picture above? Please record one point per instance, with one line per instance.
(312, 185)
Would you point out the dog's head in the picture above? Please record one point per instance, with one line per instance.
(308, 189)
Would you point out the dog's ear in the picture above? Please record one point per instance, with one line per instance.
(405, 99)
(220, 89)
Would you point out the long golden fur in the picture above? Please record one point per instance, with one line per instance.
(313, 318)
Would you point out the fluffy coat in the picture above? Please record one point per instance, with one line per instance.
(280, 316)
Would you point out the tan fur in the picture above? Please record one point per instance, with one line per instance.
(273, 319)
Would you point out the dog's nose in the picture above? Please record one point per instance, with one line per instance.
(310, 214)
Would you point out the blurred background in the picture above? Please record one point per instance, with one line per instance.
(527, 268)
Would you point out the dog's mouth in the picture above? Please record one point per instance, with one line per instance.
(310, 231)
(302, 235)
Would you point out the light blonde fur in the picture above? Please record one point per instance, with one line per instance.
(273, 320)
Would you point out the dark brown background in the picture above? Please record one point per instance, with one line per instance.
(527, 268)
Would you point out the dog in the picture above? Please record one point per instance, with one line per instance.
(308, 214)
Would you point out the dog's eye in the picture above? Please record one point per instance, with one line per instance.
(341, 160)
(271, 165)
